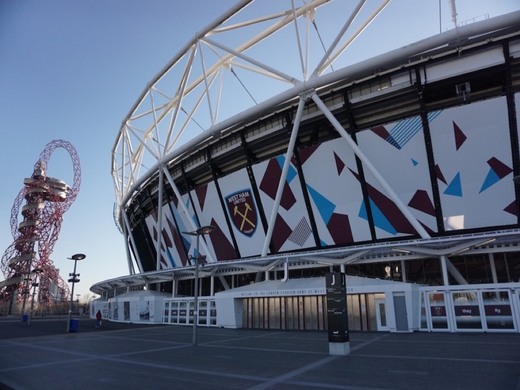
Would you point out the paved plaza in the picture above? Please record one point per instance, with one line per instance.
(131, 356)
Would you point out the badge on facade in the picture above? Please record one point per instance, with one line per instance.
(242, 210)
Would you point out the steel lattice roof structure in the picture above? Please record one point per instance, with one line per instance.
(233, 79)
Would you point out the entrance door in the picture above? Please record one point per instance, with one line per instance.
(401, 318)
(381, 315)
(438, 313)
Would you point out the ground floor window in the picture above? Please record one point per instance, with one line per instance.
(307, 312)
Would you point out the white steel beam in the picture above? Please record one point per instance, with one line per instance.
(368, 164)
(184, 209)
(283, 177)
(158, 244)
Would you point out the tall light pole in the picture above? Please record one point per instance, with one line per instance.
(199, 232)
(35, 284)
(73, 279)
(26, 291)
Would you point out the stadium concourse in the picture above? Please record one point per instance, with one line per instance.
(133, 356)
(273, 162)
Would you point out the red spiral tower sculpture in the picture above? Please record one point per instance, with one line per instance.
(46, 200)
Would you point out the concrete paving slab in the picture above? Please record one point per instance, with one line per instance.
(137, 356)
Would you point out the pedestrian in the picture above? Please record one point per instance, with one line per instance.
(98, 319)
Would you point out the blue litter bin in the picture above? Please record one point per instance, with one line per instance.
(74, 324)
(24, 318)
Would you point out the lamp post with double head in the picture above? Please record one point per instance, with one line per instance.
(74, 279)
(199, 232)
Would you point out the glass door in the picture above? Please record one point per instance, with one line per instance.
(381, 315)
(438, 312)
(498, 310)
(467, 310)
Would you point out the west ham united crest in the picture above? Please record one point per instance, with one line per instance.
(242, 211)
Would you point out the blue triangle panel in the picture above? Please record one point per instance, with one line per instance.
(185, 242)
(491, 179)
(414, 162)
(325, 207)
(363, 211)
(380, 220)
(170, 257)
(291, 173)
(455, 187)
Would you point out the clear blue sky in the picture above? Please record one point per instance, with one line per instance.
(73, 69)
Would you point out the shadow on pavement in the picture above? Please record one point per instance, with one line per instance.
(13, 327)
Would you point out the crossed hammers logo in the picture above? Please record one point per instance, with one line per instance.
(244, 216)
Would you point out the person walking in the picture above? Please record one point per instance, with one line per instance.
(99, 317)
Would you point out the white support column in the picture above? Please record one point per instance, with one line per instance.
(455, 273)
(126, 229)
(493, 267)
(444, 268)
(283, 177)
(403, 271)
(184, 209)
(366, 162)
(159, 221)
(285, 271)
(224, 282)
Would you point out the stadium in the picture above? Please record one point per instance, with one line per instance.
(263, 158)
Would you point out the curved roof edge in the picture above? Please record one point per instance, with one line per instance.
(418, 50)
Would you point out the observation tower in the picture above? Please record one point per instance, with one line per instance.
(26, 262)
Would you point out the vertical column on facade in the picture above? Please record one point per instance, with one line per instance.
(444, 269)
(285, 270)
(357, 151)
(131, 270)
(493, 267)
(513, 122)
(403, 271)
(159, 221)
(429, 153)
(283, 177)
(184, 209)
(132, 241)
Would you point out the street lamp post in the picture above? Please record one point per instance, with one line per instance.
(35, 284)
(199, 232)
(26, 291)
(73, 279)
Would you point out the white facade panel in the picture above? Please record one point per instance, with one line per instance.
(472, 150)
(397, 152)
(335, 193)
(209, 210)
(292, 230)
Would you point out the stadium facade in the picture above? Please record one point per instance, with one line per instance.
(398, 170)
